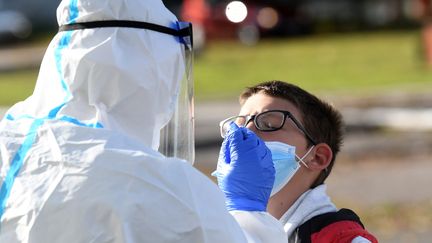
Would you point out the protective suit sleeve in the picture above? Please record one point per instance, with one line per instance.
(260, 227)
(255, 227)
(245, 170)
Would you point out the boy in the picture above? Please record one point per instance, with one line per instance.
(304, 135)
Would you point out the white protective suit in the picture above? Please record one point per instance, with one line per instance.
(79, 160)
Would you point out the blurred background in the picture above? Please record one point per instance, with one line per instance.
(372, 59)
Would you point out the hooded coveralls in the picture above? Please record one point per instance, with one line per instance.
(79, 160)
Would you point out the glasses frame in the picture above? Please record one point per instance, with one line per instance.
(253, 118)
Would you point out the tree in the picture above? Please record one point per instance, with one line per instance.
(426, 32)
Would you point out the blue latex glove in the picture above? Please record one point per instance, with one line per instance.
(245, 170)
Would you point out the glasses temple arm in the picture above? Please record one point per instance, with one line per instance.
(297, 123)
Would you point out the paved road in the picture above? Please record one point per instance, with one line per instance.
(370, 163)
(21, 57)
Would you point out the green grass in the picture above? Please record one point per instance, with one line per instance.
(350, 64)
(16, 86)
(344, 64)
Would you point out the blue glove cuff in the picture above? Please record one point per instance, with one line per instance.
(244, 204)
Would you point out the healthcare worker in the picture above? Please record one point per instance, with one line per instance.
(79, 157)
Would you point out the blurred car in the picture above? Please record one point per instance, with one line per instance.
(251, 20)
(245, 20)
(13, 26)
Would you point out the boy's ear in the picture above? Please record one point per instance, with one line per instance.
(322, 157)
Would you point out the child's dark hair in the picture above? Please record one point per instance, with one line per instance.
(321, 120)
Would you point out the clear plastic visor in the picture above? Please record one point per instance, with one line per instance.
(178, 136)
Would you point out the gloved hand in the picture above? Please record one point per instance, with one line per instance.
(245, 170)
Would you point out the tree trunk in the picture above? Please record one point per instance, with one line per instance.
(426, 33)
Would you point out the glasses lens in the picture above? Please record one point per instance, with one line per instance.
(240, 121)
(225, 125)
(269, 121)
(224, 128)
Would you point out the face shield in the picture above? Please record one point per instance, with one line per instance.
(177, 137)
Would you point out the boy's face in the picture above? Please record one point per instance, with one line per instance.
(289, 133)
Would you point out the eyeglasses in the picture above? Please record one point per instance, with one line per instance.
(267, 121)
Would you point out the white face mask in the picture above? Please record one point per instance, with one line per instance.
(285, 163)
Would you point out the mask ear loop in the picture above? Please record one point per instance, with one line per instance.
(304, 156)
